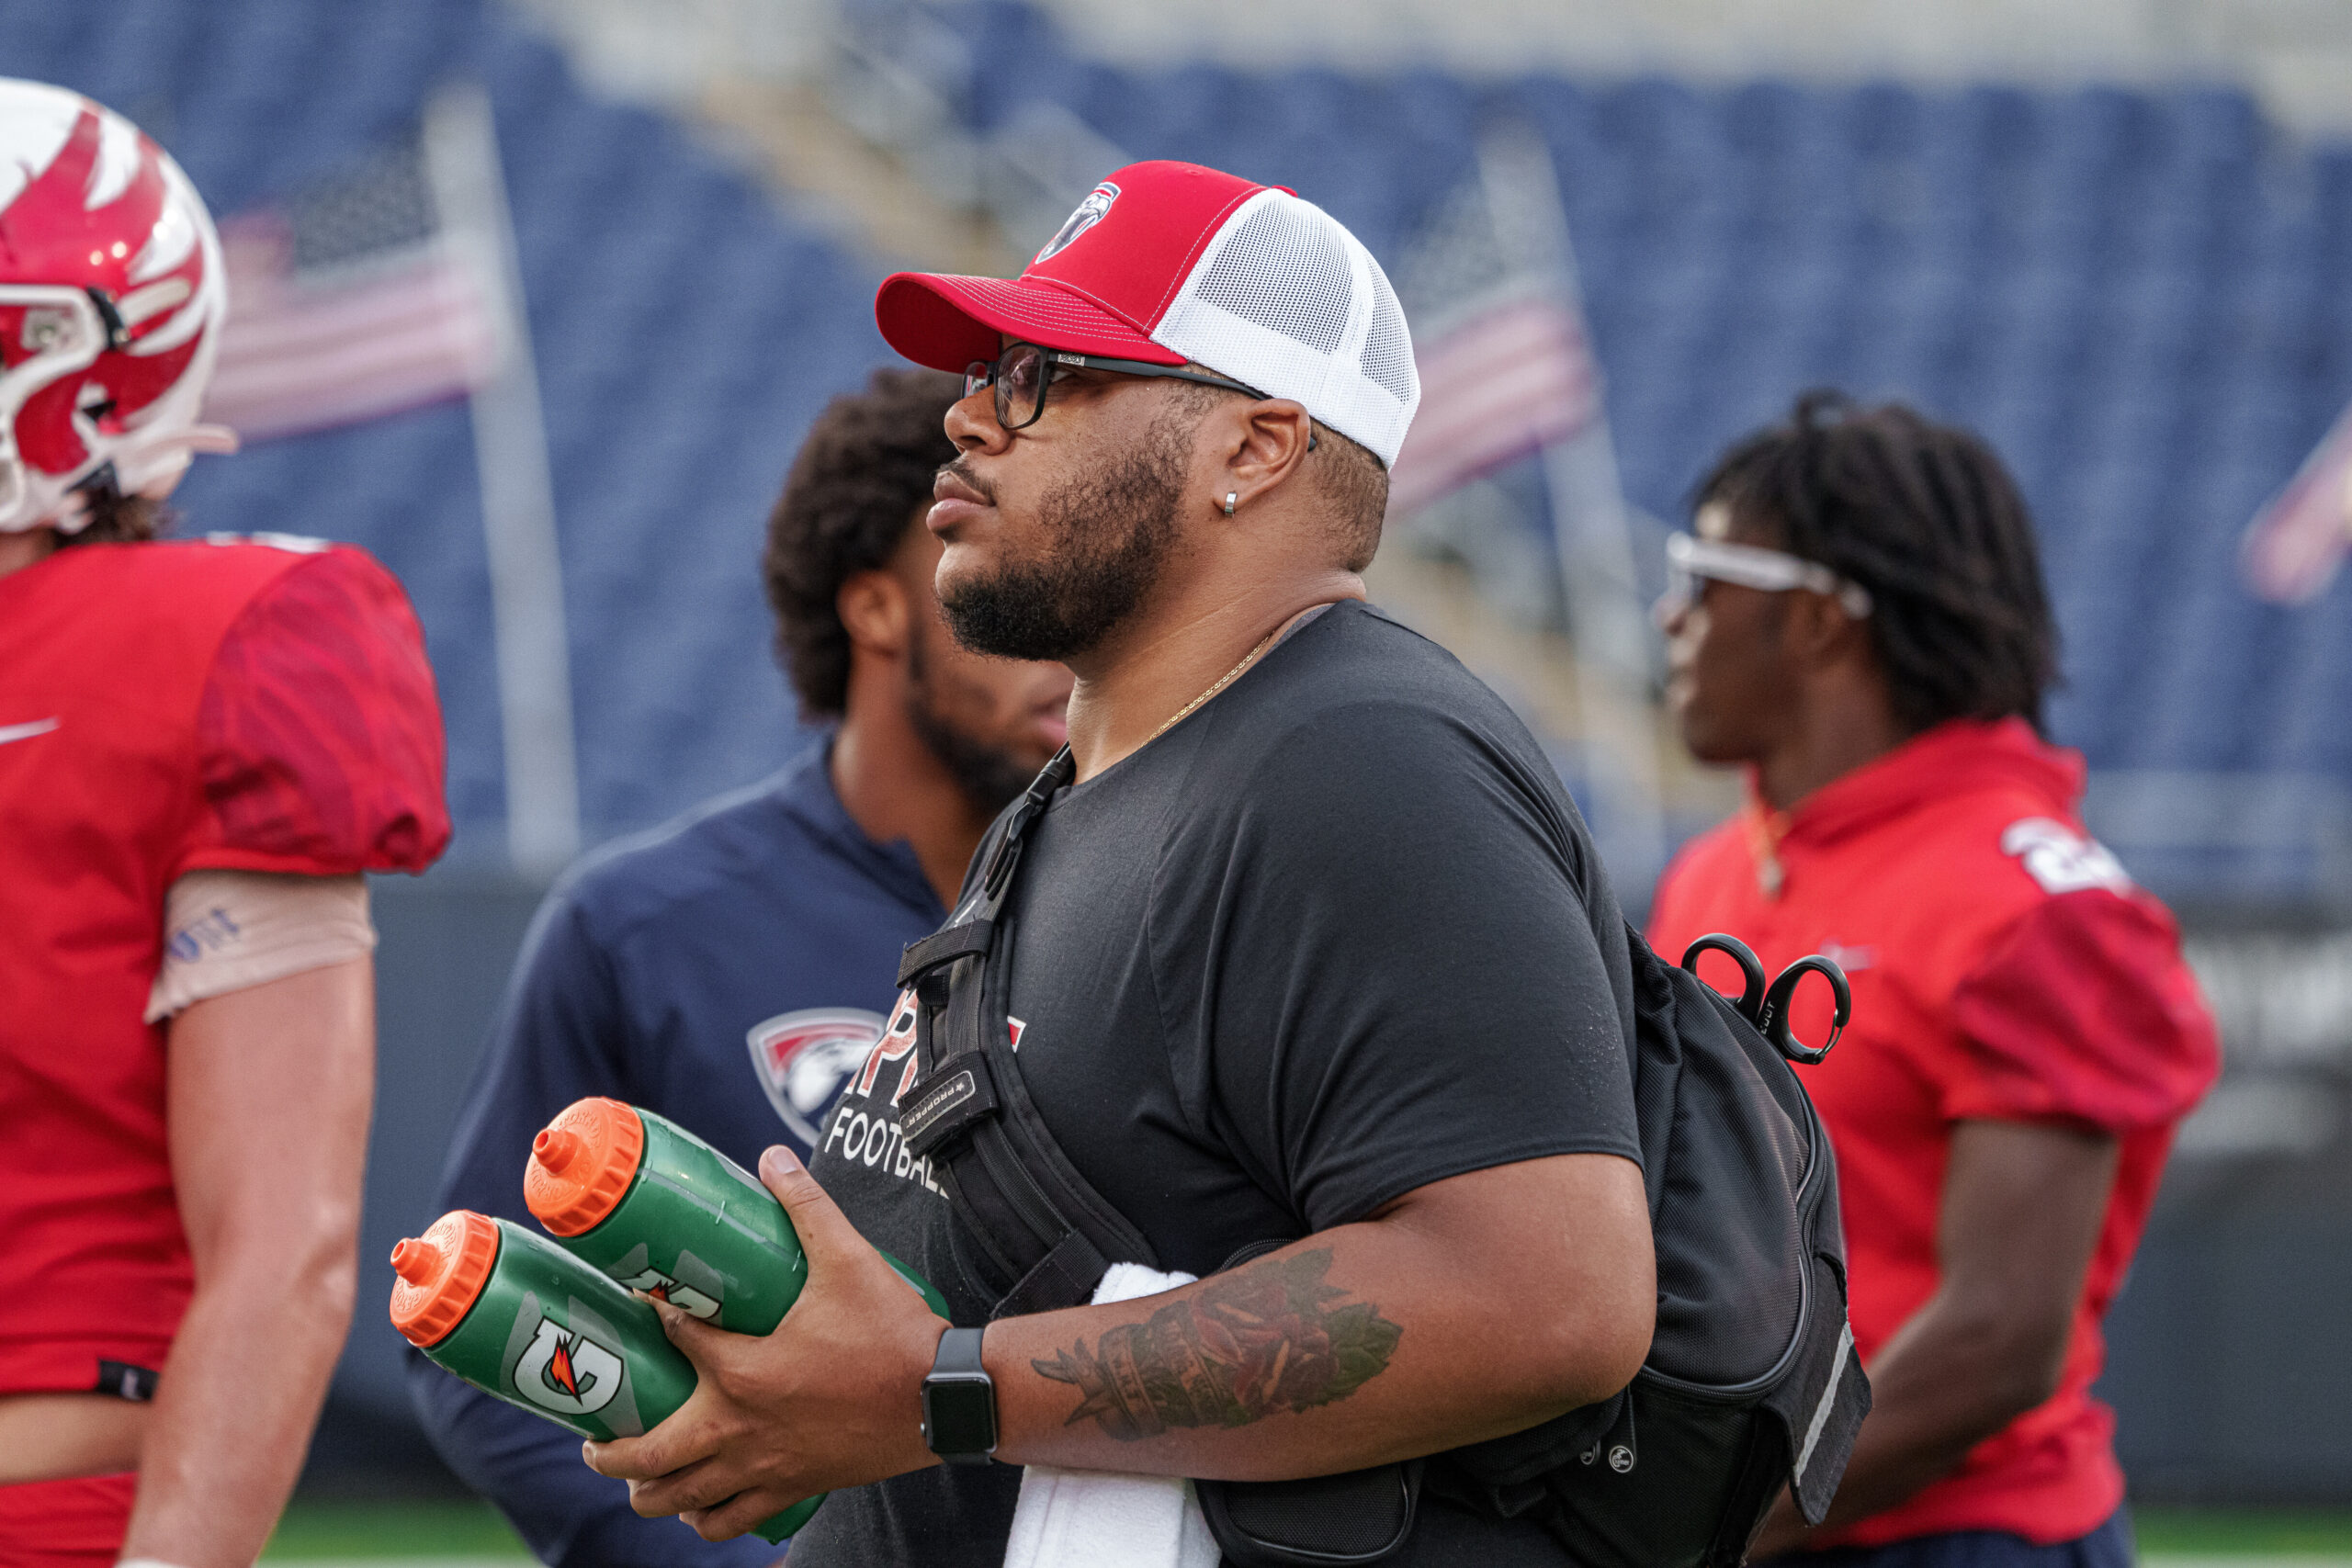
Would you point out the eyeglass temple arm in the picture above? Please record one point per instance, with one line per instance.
(1171, 372)
(1054, 357)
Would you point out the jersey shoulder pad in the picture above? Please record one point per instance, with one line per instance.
(319, 732)
(2085, 1010)
(2012, 848)
(2060, 856)
(195, 584)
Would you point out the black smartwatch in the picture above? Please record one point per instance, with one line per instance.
(958, 1400)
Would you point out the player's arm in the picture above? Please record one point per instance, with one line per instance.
(2082, 1026)
(1469, 1308)
(2022, 1209)
(321, 748)
(267, 1101)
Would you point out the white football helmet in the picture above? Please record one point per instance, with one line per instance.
(111, 300)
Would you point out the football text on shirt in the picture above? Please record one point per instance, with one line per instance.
(872, 1137)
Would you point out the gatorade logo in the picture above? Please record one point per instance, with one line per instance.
(568, 1374)
(662, 1288)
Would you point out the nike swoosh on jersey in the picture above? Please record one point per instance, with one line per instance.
(26, 731)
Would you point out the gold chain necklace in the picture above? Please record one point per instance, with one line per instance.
(1223, 680)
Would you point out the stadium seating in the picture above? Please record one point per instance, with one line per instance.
(2131, 292)
(2136, 294)
(686, 332)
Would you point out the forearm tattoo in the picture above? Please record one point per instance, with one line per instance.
(1269, 1336)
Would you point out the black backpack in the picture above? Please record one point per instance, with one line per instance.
(1752, 1381)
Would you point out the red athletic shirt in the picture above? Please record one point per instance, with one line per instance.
(164, 708)
(2005, 968)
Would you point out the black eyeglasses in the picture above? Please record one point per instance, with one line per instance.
(1023, 371)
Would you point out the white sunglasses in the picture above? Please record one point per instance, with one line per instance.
(1689, 559)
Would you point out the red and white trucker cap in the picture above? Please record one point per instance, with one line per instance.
(1167, 263)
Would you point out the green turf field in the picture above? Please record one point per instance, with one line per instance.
(2244, 1532)
(454, 1533)
(346, 1532)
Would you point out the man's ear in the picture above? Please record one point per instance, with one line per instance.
(1822, 630)
(1268, 442)
(876, 612)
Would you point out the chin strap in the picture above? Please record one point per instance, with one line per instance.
(161, 460)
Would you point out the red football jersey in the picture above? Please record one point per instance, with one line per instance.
(2004, 968)
(165, 707)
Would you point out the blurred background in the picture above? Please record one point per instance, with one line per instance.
(535, 298)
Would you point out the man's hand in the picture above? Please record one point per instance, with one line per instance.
(1485, 1303)
(2022, 1209)
(831, 1399)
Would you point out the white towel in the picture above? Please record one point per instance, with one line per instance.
(1092, 1518)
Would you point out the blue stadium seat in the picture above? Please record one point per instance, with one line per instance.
(663, 286)
(2135, 293)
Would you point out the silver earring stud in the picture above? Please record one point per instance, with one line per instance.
(1231, 496)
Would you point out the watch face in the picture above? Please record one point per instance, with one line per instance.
(959, 1415)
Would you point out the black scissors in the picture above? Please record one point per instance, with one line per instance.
(1767, 1007)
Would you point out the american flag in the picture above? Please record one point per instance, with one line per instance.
(1505, 382)
(1507, 369)
(2296, 542)
(348, 302)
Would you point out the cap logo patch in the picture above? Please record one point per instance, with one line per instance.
(1090, 212)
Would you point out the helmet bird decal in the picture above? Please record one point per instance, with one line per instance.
(111, 300)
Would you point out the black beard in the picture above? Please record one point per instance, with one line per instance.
(989, 777)
(1107, 539)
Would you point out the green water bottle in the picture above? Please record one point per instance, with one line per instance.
(660, 1210)
(528, 1322)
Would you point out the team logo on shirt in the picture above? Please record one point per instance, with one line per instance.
(568, 1374)
(896, 1043)
(802, 1059)
(1852, 960)
(26, 730)
(2061, 860)
(865, 1128)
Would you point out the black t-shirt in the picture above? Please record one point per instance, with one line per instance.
(1337, 935)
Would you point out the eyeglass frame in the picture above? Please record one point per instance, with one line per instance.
(982, 373)
(1690, 557)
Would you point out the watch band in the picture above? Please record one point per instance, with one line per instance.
(959, 1354)
(960, 1400)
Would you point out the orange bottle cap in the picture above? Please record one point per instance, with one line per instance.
(440, 1274)
(581, 1164)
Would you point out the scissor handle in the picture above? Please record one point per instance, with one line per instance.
(1751, 969)
(1773, 1023)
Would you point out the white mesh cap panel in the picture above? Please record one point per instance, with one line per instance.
(1285, 268)
(1287, 300)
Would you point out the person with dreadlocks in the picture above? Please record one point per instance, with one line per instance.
(1858, 620)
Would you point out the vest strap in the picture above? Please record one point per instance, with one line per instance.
(967, 939)
(1064, 1277)
(943, 1104)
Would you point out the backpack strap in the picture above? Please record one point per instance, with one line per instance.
(1038, 1220)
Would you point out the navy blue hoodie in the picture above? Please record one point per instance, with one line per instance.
(727, 971)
